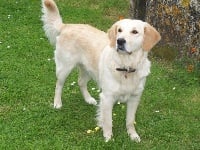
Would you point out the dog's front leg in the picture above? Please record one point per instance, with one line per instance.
(132, 105)
(105, 118)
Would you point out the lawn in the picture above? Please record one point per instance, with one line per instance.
(168, 116)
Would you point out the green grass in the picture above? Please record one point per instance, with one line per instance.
(168, 116)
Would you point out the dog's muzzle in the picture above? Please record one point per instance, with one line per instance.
(121, 45)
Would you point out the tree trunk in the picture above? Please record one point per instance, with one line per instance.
(138, 9)
(178, 21)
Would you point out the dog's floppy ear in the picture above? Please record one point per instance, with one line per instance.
(112, 35)
(151, 37)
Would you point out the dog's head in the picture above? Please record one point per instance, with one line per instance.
(129, 35)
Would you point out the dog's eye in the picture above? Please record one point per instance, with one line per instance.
(134, 32)
(119, 30)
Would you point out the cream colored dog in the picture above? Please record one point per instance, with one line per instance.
(117, 61)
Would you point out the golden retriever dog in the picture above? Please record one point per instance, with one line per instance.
(116, 60)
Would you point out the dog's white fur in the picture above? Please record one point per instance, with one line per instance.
(97, 56)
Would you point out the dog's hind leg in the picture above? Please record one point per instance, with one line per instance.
(82, 81)
(62, 71)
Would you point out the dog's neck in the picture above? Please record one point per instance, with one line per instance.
(126, 70)
(128, 63)
(129, 60)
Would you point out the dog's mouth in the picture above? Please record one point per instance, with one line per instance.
(122, 49)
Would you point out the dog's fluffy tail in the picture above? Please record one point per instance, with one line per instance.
(51, 19)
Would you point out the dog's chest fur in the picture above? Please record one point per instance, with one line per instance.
(122, 83)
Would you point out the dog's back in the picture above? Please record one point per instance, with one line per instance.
(85, 43)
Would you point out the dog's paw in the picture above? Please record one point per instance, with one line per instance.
(91, 100)
(135, 137)
(107, 137)
(57, 105)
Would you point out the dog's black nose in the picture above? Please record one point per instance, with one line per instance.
(121, 41)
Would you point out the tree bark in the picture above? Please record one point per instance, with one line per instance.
(138, 9)
(178, 22)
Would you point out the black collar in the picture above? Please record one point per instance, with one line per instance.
(127, 70)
